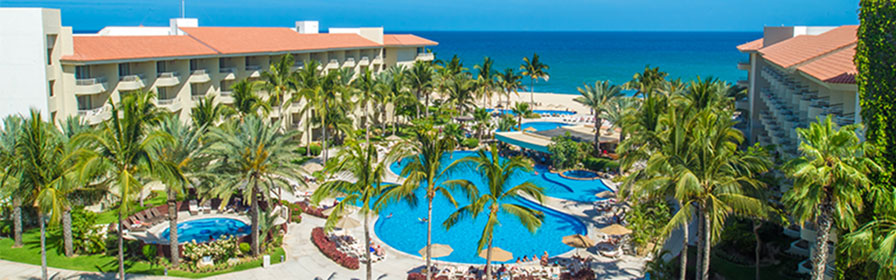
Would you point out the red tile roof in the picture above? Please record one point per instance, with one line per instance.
(406, 40)
(99, 48)
(234, 40)
(751, 45)
(225, 40)
(803, 48)
(837, 68)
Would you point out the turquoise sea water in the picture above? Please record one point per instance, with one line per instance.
(585, 57)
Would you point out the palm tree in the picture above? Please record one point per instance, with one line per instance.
(10, 159)
(616, 112)
(534, 69)
(507, 123)
(310, 89)
(501, 197)
(461, 90)
(246, 100)
(421, 81)
(425, 170)
(873, 242)
(368, 169)
(598, 98)
(255, 160)
(367, 88)
(46, 169)
(395, 91)
(521, 110)
(178, 167)
(483, 121)
(72, 127)
(651, 80)
(207, 112)
(279, 83)
(510, 82)
(829, 179)
(485, 79)
(123, 150)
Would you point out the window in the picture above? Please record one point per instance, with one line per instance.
(196, 90)
(248, 61)
(161, 67)
(419, 50)
(84, 102)
(51, 42)
(222, 62)
(82, 72)
(163, 92)
(50, 91)
(124, 69)
(194, 64)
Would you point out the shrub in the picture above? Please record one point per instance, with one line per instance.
(329, 249)
(600, 164)
(470, 143)
(245, 248)
(150, 252)
(86, 235)
(566, 152)
(315, 149)
(220, 250)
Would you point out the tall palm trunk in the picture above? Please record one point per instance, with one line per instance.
(254, 209)
(367, 247)
(43, 246)
(308, 130)
(532, 90)
(120, 246)
(684, 253)
(597, 123)
(67, 232)
(429, 195)
(417, 92)
(823, 223)
(426, 106)
(756, 226)
(17, 222)
(699, 260)
(488, 260)
(324, 129)
(707, 246)
(172, 225)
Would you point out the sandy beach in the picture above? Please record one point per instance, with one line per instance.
(547, 101)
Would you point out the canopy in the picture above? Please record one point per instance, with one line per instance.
(438, 250)
(615, 229)
(578, 241)
(498, 254)
(605, 194)
(347, 222)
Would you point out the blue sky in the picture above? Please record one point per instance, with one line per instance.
(409, 15)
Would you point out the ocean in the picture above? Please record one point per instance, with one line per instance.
(575, 58)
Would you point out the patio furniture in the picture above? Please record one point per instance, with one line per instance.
(194, 207)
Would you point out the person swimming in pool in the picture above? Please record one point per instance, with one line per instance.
(389, 216)
(422, 220)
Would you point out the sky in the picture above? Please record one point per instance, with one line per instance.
(462, 15)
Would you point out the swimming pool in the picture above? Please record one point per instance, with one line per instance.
(404, 230)
(203, 230)
(539, 126)
(551, 112)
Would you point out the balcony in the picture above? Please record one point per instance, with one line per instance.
(197, 97)
(365, 61)
(131, 82)
(425, 56)
(799, 248)
(334, 64)
(743, 65)
(225, 97)
(378, 60)
(743, 83)
(199, 76)
(228, 73)
(349, 62)
(254, 71)
(171, 103)
(167, 79)
(90, 86)
(94, 115)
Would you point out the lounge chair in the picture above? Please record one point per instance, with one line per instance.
(194, 208)
(158, 213)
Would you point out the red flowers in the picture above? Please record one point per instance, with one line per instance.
(329, 249)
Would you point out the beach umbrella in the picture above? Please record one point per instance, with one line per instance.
(605, 194)
(438, 251)
(393, 138)
(615, 229)
(578, 241)
(498, 254)
(530, 129)
(347, 222)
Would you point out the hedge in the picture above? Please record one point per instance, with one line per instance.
(876, 81)
(600, 164)
(315, 149)
(470, 143)
(329, 249)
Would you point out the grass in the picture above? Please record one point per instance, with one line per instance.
(111, 215)
(30, 254)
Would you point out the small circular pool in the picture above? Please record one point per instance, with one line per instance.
(539, 126)
(579, 174)
(204, 230)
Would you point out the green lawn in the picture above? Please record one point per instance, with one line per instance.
(111, 215)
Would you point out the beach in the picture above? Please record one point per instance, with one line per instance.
(547, 101)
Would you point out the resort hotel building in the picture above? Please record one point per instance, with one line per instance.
(798, 74)
(44, 66)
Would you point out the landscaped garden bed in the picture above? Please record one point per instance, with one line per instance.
(329, 249)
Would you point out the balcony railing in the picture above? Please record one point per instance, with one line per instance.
(227, 69)
(252, 67)
(167, 101)
(132, 78)
(91, 112)
(168, 75)
(90, 81)
(226, 92)
(425, 56)
(199, 72)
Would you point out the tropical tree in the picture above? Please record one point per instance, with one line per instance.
(366, 88)
(535, 70)
(246, 100)
(72, 127)
(179, 166)
(874, 242)
(501, 197)
(425, 169)
(461, 92)
(829, 179)
(486, 80)
(124, 151)
(395, 92)
(598, 98)
(10, 159)
(255, 160)
(279, 84)
(507, 123)
(510, 82)
(309, 86)
(421, 79)
(483, 121)
(368, 169)
(207, 112)
(521, 110)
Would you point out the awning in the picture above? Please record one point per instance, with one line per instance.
(525, 140)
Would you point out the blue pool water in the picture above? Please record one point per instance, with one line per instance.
(201, 230)
(539, 126)
(579, 174)
(510, 112)
(405, 232)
